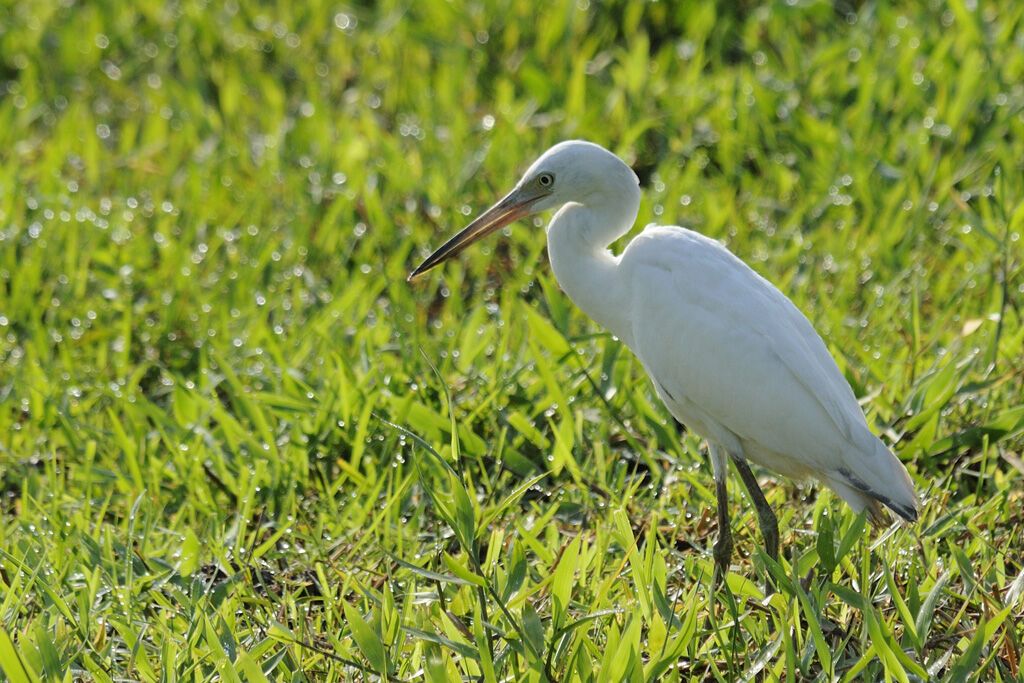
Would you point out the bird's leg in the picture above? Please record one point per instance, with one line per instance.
(722, 551)
(766, 516)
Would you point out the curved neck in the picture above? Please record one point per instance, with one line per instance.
(578, 239)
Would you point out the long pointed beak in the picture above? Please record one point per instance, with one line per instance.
(514, 205)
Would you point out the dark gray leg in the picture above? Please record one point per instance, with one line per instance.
(766, 517)
(723, 546)
(722, 551)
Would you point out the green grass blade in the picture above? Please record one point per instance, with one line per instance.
(368, 642)
(11, 662)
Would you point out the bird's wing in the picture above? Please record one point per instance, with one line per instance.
(710, 329)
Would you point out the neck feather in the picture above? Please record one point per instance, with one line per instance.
(578, 239)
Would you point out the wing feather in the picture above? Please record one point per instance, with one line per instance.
(738, 330)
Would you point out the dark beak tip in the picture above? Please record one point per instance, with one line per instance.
(417, 271)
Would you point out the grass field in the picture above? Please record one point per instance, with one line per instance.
(235, 444)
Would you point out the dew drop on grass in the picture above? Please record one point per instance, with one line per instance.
(344, 22)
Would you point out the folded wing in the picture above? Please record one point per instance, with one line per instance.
(733, 356)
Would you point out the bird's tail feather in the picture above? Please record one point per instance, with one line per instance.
(886, 482)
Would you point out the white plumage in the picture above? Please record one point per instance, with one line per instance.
(757, 379)
(731, 357)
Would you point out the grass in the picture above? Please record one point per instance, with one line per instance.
(236, 444)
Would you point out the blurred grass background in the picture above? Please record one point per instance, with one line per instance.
(226, 444)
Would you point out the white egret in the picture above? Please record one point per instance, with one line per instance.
(732, 358)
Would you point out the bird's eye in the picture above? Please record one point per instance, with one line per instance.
(546, 179)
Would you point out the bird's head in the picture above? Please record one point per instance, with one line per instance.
(571, 171)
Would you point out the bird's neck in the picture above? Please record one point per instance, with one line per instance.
(578, 239)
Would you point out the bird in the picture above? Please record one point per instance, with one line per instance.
(730, 356)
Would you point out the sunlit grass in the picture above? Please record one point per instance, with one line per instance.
(236, 444)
